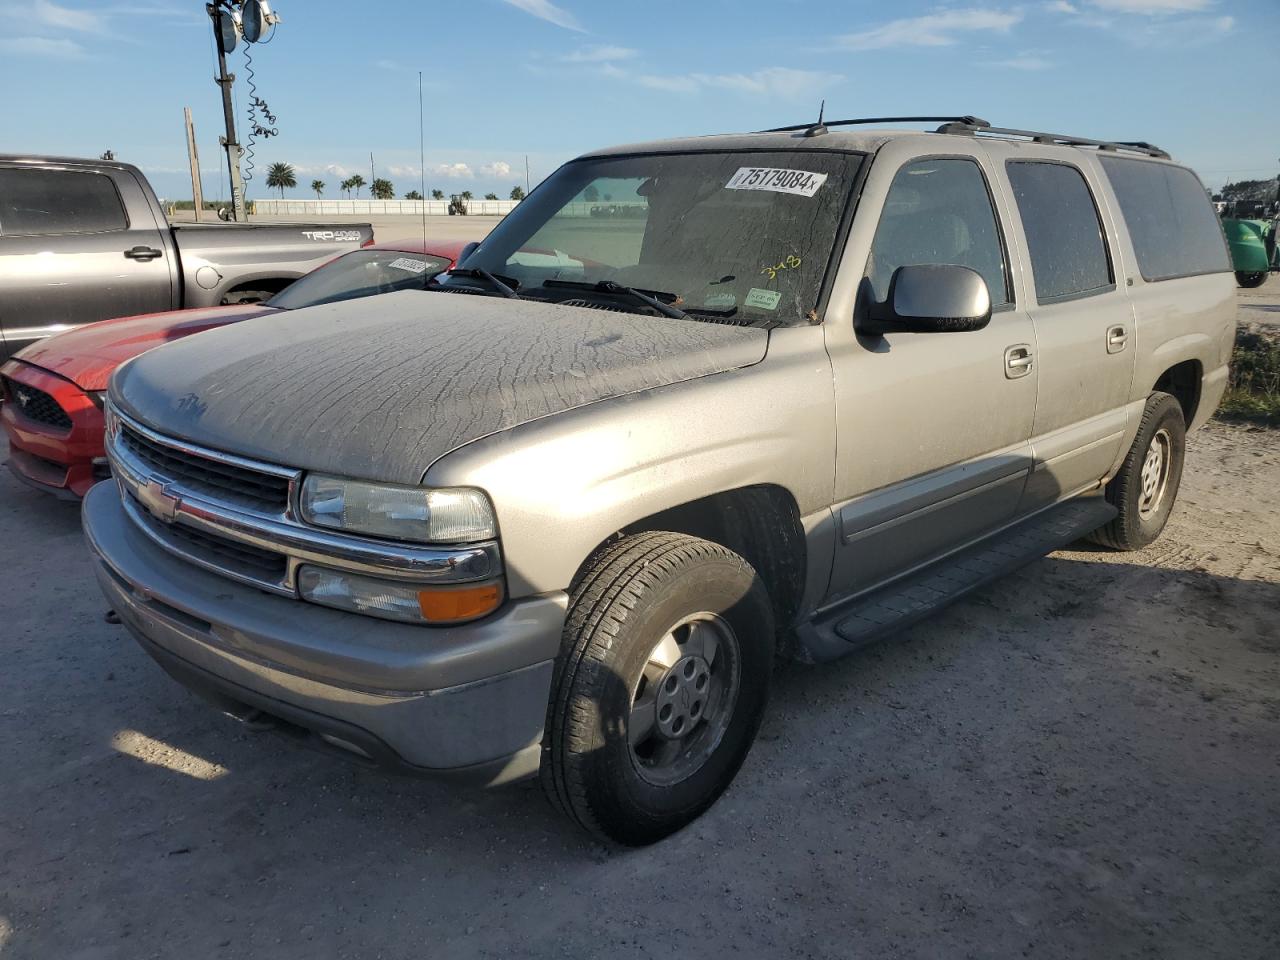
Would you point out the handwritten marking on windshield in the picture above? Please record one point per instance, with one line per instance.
(790, 263)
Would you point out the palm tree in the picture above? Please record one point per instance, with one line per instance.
(281, 175)
(356, 182)
(517, 193)
(383, 189)
(437, 194)
(491, 196)
(345, 187)
(413, 195)
(466, 194)
(318, 187)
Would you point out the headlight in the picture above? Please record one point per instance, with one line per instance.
(452, 515)
(395, 600)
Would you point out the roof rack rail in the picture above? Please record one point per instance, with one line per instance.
(1035, 136)
(819, 128)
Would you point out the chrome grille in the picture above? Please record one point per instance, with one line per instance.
(232, 516)
(225, 481)
(36, 405)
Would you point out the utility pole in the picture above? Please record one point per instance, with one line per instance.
(221, 19)
(193, 157)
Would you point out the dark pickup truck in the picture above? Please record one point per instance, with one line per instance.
(86, 240)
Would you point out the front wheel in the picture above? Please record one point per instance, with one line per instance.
(1144, 489)
(660, 685)
(1246, 279)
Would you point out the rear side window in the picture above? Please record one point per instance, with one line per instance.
(1175, 231)
(1064, 235)
(58, 201)
(938, 212)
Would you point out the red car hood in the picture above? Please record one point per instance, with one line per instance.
(88, 355)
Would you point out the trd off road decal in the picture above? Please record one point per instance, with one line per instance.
(802, 183)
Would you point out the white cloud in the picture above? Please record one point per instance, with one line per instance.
(496, 170)
(1152, 7)
(600, 54)
(776, 81)
(546, 10)
(453, 171)
(399, 171)
(938, 29)
(60, 49)
(65, 18)
(1023, 61)
(1061, 6)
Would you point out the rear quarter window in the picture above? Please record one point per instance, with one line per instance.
(1174, 228)
(1064, 234)
(43, 202)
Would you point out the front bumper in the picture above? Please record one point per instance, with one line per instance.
(63, 461)
(468, 700)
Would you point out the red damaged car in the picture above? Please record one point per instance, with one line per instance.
(53, 390)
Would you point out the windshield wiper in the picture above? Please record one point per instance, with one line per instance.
(506, 286)
(647, 297)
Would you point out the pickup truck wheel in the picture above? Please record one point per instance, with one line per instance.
(1247, 279)
(1147, 485)
(660, 685)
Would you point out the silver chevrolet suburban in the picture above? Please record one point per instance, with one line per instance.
(693, 405)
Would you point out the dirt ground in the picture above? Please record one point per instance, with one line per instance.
(1082, 760)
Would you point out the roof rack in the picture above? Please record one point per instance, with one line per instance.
(819, 128)
(963, 127)
(972, 126)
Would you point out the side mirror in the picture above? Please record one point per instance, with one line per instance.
(467, 251)
(932, 298)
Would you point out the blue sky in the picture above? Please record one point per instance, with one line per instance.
(510, 78)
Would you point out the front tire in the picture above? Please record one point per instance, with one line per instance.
(659, 688)
(1146, 486)
(1248, 279)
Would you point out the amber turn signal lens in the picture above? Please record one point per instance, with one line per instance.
(441, 605)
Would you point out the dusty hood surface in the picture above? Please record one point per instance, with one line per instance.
(379, 388)
(87, 355)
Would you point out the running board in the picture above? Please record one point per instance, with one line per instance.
(862, 620)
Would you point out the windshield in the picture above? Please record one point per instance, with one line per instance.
(742, 234)
(361, 273)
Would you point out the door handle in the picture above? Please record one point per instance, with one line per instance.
(1018, 361)
(1117, 337)
(143, 253)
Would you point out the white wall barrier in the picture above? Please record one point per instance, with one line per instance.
(267, 207)
(476, 208)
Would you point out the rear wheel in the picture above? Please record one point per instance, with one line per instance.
(660, 686)
(1146, 486)
(1251, 279)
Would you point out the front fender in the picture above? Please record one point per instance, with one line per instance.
(562, 485)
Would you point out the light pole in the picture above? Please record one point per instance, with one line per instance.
(224, 35)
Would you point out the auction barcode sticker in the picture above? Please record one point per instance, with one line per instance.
(405, 263)
(800, 182)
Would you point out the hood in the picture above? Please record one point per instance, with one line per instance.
(382, 387)
(87, 355)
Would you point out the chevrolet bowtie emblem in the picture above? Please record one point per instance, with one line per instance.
(160, 503)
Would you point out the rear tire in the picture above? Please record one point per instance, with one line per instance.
(1251, 279)
(659, 688)
(1146, 486)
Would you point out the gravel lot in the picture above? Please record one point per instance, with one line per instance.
(1082, 760)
